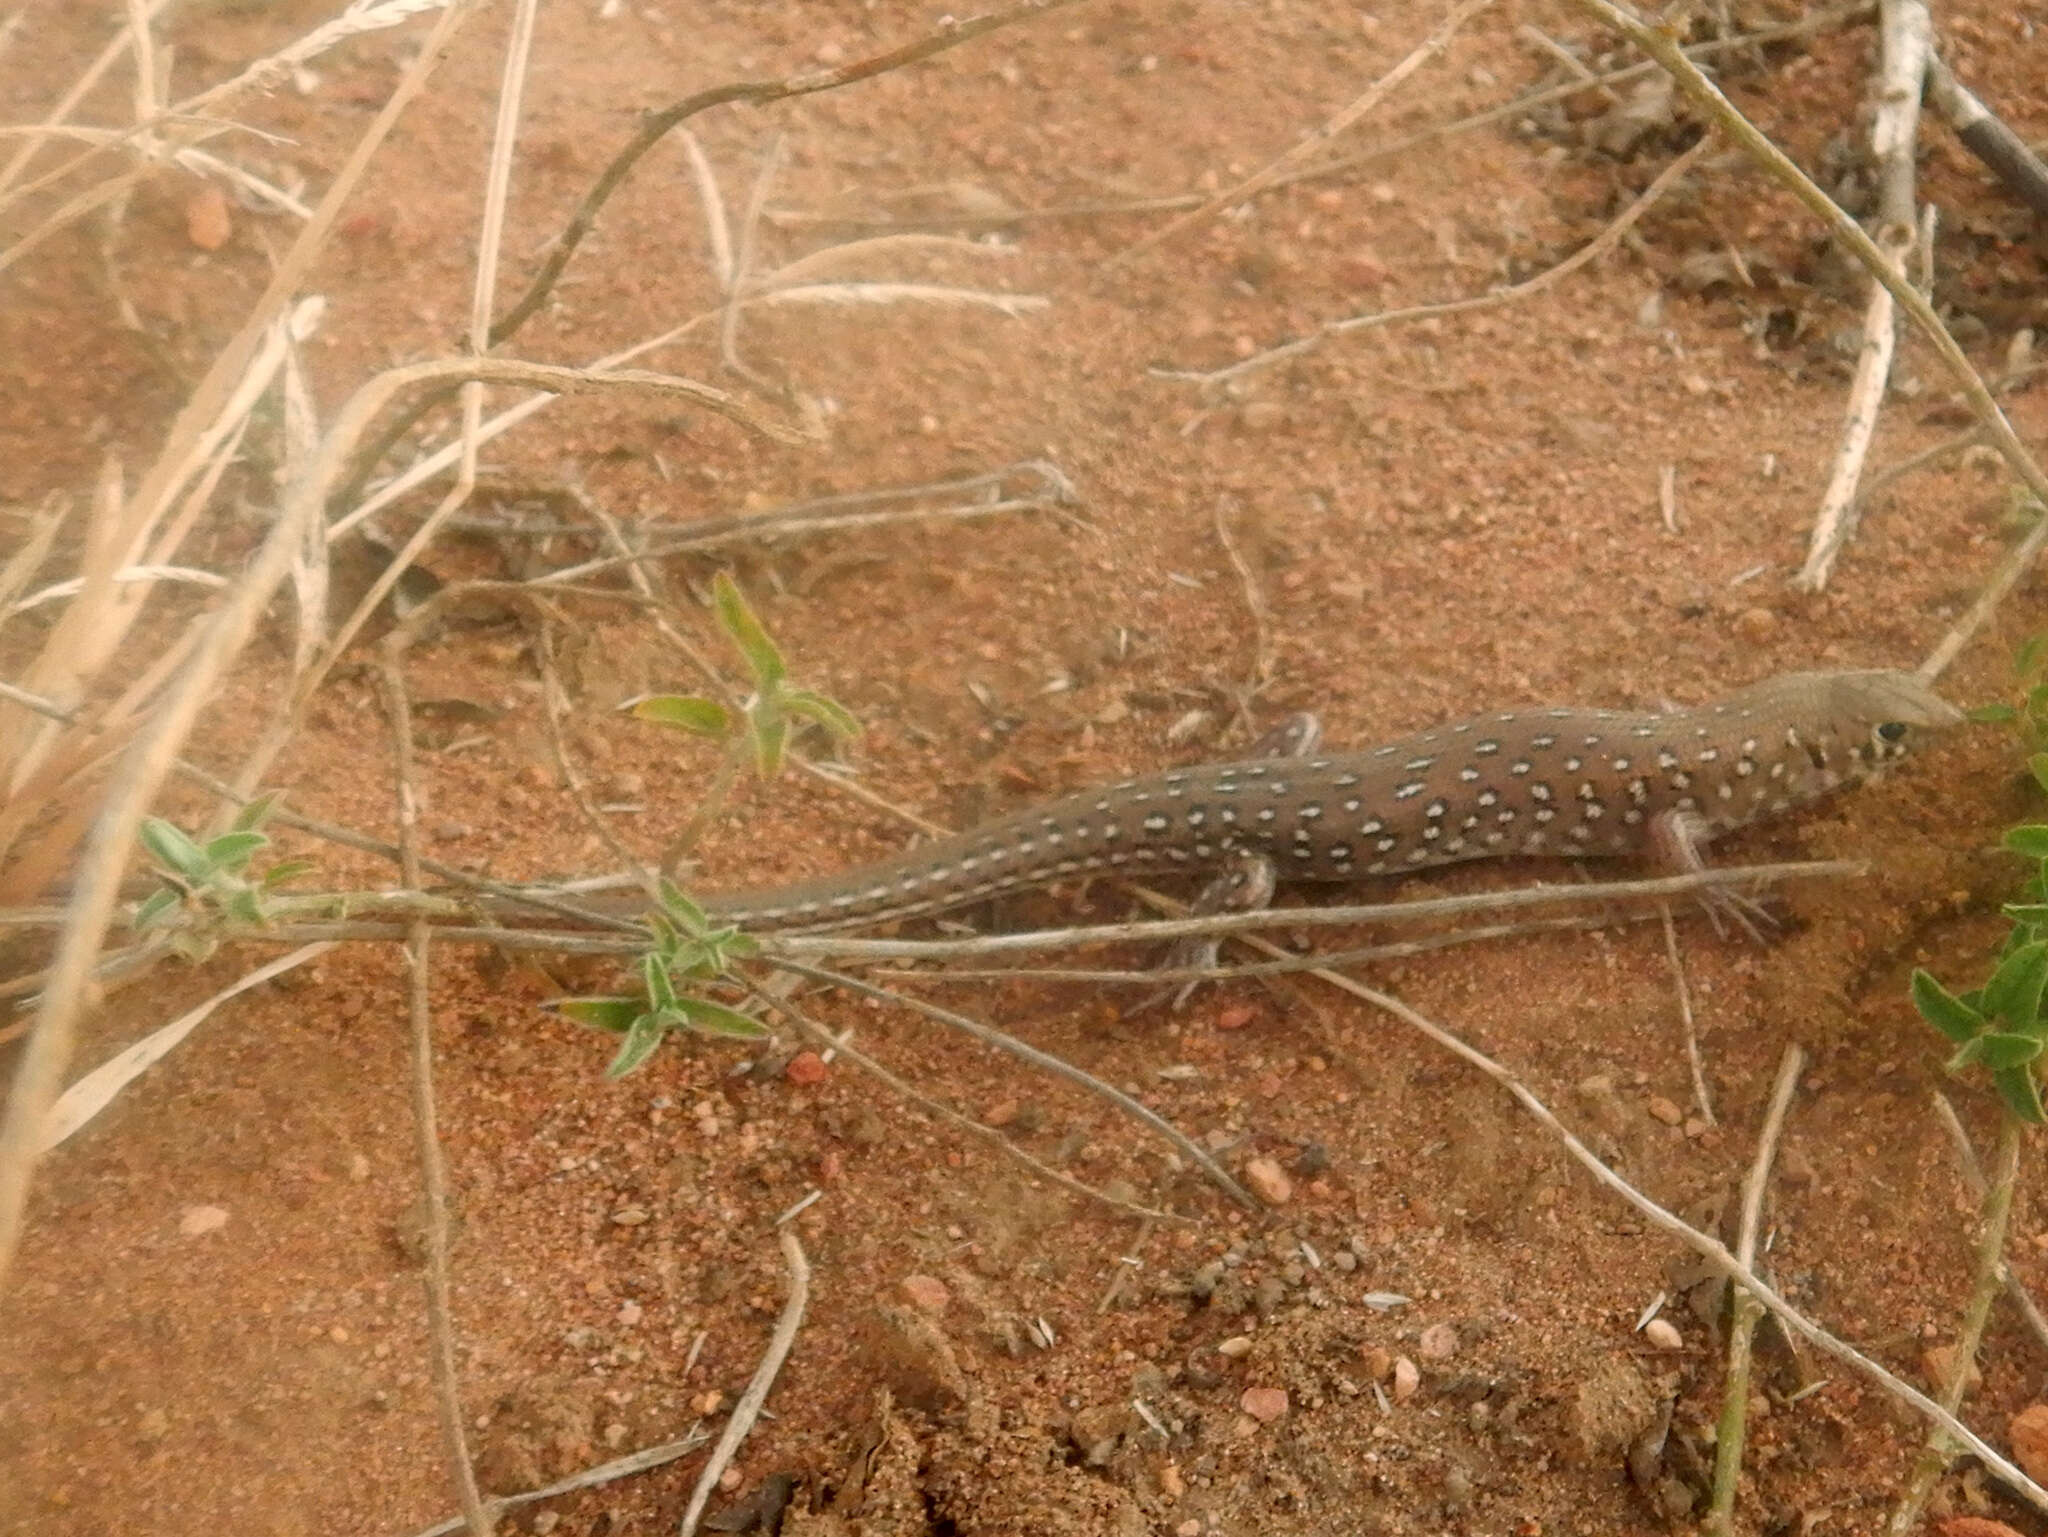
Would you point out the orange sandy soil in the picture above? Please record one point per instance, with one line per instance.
(1440, 516)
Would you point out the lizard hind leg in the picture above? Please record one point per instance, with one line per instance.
(1246, 884)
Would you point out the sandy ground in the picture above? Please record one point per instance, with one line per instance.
(1434, 517)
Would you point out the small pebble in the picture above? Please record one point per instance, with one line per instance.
(1665, 1111)
(1236, 1346)
(2029, 1434)
(198, 1220)
(927, 1293)
(1663, 1334)
(1264, 1404)
(1269, 1181)
(806, 1068)
(1407, 1378)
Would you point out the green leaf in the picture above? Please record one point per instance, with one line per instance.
(686, 712)
(2000, 1052)
(243, 907)
(737, 618)
(2014, 991)
(2029, 840)
(685, 914)
(287, 870)
(831, 714)
(257, 812)
(155, 907)
(613, 1014)
(707, 1018)
(1943, 1009)
(2021, 1094)
(169, 846)
(638, 1046)
(233, 851)
(1992, 714)
(661, 988)
(2037, 765)
(2029, 656)
(770, 739)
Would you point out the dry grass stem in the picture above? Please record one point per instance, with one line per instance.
(97, 883)
(1282, 965)
(628, 1466)
(1747, 1311)
(655, 126)
(1973, 1175)
(1693, 1063)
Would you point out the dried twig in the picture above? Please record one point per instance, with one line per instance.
(1747, 1310)
(655, 126)
(988, 1035)
(1692, 1039)
(433, 1171)
(1994, 1215)
(824, 1038)
(1714, 1252)
(1906, 32)
(748, 1409)
(1313, 143)
(1973, 1175)
(604, 1473)
(1592, 250)
(1261, 672)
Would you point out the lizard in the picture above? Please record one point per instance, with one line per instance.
(1543, 782)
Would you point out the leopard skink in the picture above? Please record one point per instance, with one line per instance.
(1545, 782)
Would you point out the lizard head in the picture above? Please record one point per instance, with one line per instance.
(1882, 711)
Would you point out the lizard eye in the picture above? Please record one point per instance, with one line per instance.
(1891, 731)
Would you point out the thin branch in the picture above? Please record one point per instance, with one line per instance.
(1966, 1155)
(604, 1473)
(824, 1038)
(1907, 34)
(1692, 1039)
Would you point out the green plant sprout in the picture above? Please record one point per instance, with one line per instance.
(1999, 1026)
(765, 718)
(210, 882)
(687, 948)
